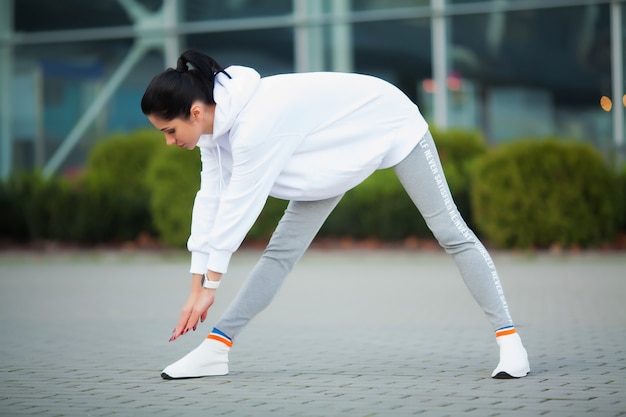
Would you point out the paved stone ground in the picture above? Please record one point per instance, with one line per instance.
(352, 333)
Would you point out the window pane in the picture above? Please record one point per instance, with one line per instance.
(268, 51)
(42, 15)
(212, 10)
(534, 72)
(55, 84)
(398, 52)
(386, 4)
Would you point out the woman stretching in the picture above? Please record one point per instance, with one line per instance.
(307, 138)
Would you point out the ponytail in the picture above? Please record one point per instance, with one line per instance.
(171, 93)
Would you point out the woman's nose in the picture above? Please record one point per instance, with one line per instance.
(169, 140)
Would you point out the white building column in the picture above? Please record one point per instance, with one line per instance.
(6, 72)
(440, 62)
(617, 73)
(341, 37)
(171, 49)
(308, 36)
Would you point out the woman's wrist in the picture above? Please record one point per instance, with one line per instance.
(196, 282)
(210, 284)
(211, 280)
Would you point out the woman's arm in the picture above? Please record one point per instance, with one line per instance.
(205, 205)
(204, 209)
(197, 306)
(255, 166)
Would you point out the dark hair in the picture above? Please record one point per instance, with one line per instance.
(171, 93)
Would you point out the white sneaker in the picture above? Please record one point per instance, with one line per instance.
(208, 359)
(513, 358)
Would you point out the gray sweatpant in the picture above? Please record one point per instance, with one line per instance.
(421, 175)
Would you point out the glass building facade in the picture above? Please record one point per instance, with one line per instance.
(73, 71)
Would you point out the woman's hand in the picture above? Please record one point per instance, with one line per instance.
(195, 309)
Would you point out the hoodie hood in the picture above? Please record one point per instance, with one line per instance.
(231, 95)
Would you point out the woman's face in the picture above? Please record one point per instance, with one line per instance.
(183, 133)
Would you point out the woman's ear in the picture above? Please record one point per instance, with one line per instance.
(196, 112)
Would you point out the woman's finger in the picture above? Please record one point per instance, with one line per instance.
(193, 321)
(182, 324)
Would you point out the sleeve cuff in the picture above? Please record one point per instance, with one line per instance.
(199, 262)
(219, 260)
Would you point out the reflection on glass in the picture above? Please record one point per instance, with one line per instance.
(533, 72)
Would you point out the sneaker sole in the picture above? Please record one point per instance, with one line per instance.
(169, 378)
(220, 369)
(504, 375)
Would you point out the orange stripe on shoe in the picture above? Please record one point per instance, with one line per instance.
(220, 339)
(505, 332)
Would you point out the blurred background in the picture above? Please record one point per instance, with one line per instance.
(72, 72)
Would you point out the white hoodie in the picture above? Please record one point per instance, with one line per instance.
(302, 137)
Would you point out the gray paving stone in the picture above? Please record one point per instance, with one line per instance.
(86, 335)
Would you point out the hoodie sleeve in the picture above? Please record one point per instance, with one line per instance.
(254, 171)
(204, 209)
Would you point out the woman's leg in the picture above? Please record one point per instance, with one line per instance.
(422, 176)
(293, 235)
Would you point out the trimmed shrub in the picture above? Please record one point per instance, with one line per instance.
(115, 180)
(535, 193)
(23, 214)
(108, 202)
(380, 208)
(38, 208)
(13, 221)
(174, 179)
(123, 159)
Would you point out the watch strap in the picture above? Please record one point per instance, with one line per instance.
(213, 285)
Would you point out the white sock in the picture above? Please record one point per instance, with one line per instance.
(217, 334)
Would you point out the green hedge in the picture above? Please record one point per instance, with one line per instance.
(535, 193)
(531, 193)
(379, 207)
(108, 202)
(36, 208)
(13, 220)
(174, 178)
(31, 207)
(116, 176)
